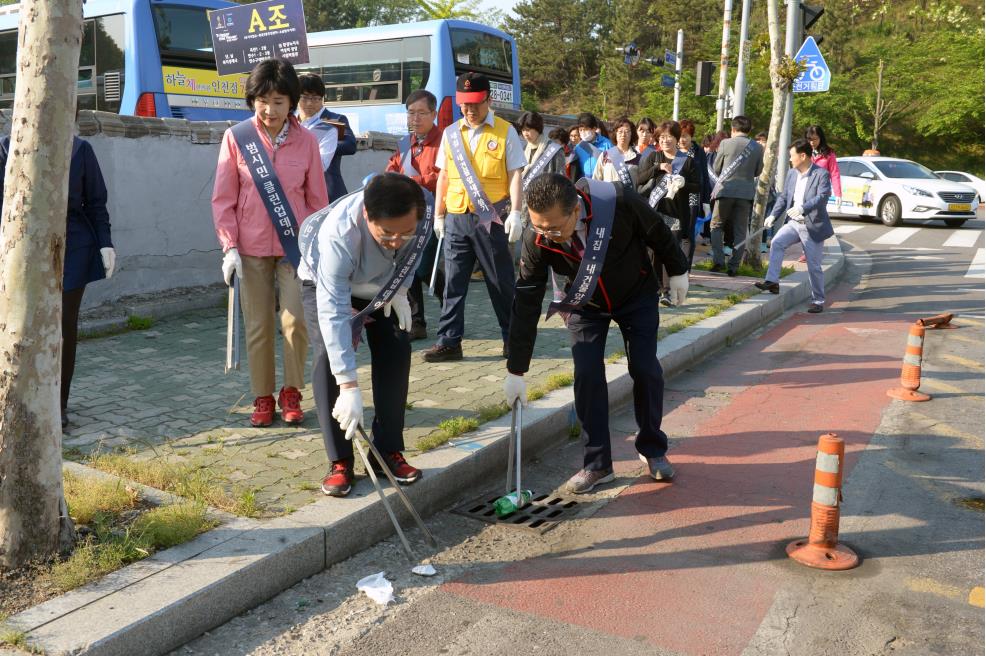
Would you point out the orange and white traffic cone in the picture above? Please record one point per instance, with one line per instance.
(822, 549)
(910, 372)
(938, 321)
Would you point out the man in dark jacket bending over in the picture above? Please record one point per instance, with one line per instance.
(595, 236)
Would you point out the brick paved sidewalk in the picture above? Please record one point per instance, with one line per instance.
(162, 393)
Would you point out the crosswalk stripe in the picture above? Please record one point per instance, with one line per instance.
(846, 229)
(896, 236)
(978, 267)
(963, 239)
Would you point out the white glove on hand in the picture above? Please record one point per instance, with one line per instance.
(679, 288)
(706, 209)
(769, 221)
(796, 213)
(109, 260)
(439, 226)
(675, 185)
(231, 263)
(838, 203)
(514, 226)
(348, 410)
(515, 387)
(402, 307)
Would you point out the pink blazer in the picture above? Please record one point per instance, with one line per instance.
(239, 214)
(828, 163)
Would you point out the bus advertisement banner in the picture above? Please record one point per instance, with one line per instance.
(244, 36)
(201, 82)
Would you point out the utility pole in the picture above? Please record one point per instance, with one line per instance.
(790, 48)
(679, 56)
(727, 15)
(877, 108)
(742, 55)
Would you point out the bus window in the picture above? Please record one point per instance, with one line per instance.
(110, 43)
(376, 72)
(8, 67)
(478, 51)
(183, 35)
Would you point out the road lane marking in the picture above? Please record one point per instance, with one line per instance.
(896, 236)
(978, 267)
(941, 386)
(931, 586)
(964, 362)
(847, 229)
(976, 597)
(963, 239)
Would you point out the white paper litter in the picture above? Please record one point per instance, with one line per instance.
(424, 570)
(377, 587)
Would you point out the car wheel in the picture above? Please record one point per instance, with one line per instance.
(955, 223)
(890, 211)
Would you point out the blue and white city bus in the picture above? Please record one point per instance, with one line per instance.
(369, 72)
(144, 58)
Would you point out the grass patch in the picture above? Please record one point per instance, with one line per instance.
(192, 483)
(492, 411)
(87, 496)
(168, 526)
(12, 638)
(575, 431)
(456, 426)
(306, 486)
(553, 382)
(133, 322)
(615, 357)
(137, 322)
(745, 269)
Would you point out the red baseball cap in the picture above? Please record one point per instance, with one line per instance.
(471, 88)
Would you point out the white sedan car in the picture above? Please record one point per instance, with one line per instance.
(893, 189)
(973, 181)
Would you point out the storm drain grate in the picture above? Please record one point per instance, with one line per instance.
(542, 515)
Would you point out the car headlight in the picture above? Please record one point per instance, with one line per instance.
(916, 191)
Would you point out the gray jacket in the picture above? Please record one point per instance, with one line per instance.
(814, 204)
(743, 181)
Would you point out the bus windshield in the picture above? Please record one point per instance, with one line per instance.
(183, 34)
(480, 51)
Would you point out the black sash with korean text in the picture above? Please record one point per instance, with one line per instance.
(619, 163)
(541, 162)
(729, 170)
(661, 188)
(269, 187)
(598, 232)
(485, 209)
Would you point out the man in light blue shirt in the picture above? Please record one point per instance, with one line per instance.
(354, 253)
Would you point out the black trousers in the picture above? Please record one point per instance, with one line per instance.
(587, 329)
(71, 302)
(422, 278)
(390, 364)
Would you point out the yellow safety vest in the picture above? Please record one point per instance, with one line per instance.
(490, 163)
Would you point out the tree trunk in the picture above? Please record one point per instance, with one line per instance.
(779, 85)
(33, 519)
(878, 108)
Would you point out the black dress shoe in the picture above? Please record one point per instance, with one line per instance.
(418, 331)
(440, 353)
(767, 286)
(815, 308)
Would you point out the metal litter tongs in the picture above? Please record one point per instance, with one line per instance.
(514, 453)
(383, 497)
(233, 326)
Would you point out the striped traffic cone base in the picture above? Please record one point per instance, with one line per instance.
(819, 556)
(907, 395)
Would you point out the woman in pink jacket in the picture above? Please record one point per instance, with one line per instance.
(824, 156)
(252, 246)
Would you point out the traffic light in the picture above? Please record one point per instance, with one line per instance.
(809, 16)
(703, 78)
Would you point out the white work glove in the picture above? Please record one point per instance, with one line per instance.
(515, 387)
(675, 185)
(109, 260)
(796, 213)
(439, 226)
(706, 209)
(348, 410)
(401, 307)
(514, 226)
(769, 221)
(838, 203)
(231, 263)
(679, 288)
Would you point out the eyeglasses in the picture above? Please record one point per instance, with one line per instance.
(390, 239)
(419, 114)
(309, 98)
(545, 233)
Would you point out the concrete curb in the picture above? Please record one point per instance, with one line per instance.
(160, 603)
(206, 297)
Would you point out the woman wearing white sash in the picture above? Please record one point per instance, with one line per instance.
(626, 138)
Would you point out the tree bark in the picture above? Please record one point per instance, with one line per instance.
(878, 108)
(34, 522)
(779, 84)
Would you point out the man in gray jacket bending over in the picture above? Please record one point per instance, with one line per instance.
(356, 256)
(738, 163)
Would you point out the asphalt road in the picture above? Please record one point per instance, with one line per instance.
(698, 566)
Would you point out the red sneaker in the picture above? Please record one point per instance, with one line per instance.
(404, 473)
(263, 411)
(339, 481)
(290, 402)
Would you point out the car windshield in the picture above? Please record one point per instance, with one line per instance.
(904, 169)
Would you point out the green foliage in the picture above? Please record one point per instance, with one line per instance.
(441, 9)
(137, 322)
(168, 526)
(86, 496)
(343, 14)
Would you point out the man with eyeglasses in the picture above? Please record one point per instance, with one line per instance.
(415, 158)
(350, 254)
(595, 235)
(335, 137)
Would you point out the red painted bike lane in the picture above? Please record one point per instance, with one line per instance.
(694, 566)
